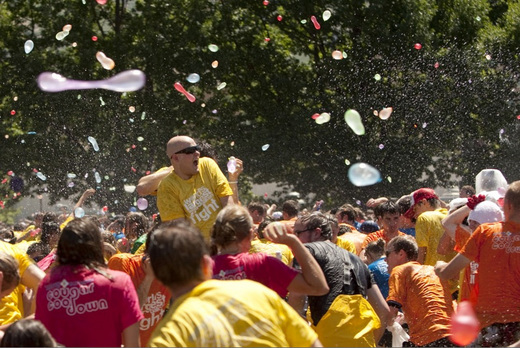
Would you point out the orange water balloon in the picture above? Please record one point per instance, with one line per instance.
(465, 326)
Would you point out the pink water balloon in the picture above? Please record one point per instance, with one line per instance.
(315, 22)
(465, 326)
(181, 89)
(126, 81)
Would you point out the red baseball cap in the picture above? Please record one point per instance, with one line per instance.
(417, 196)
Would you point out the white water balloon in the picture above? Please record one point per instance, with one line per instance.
(353, 120)
(28, 46)
(363, 174)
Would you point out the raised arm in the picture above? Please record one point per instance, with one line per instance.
(148, 184)
(312, 280)
(87, 194)
(453, 220)
(233, 179)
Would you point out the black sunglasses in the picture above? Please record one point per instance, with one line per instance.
(189, 150)
(299, 232)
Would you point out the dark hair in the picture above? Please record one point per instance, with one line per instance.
(48, 229)
(41, 248)
(290, 207)
(81, 244)
(233, 224)
(387, 207)
(315, 220)
(468, 189)
(256, 206)
(262, 226)
(376, 249)
(108, 237)
(142, 223)
(347, 210)
(176, 249)
(344, 229)
(9, 268)
(360, 214)
(404, 203)
(27, 333)
(406, 243)
(49, 217)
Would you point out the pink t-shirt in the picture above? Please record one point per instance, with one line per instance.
(82, 308)
(259, 267)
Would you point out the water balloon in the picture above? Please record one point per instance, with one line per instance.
(79, 212)
(28, 46)
(338, 55)
(142, 203)
(133, 210)
(71, 184)
(279, 18)
(315, 116)
(436, 65)
(377, 77)
(129, 188)
(67, 27)
(363, 174)
(385, 113)
(317, 25)
(106, 62)
(140, 138)
(94, 143)
(381, 146)
(97, 177)
(326, 15)
(464, 324)
(267, 39)
(323, 118)
(232, 165)
(131, 108)
(353, 120)
(13, 112)
(221, 86)
(41, 176)
(417, 46)
(105, 208)
(214, 65)
(61, 35)
(213, 48)
(347, 162)
(126, 81)
(94, 38)
(101, 2)
(265, 147)
(181, 89)
(193, 78)
(389, 179)
(266, 2)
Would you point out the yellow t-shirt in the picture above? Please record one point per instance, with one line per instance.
(428, 232)
(232, 313)
(271, 249)
(346, 244)
(11, 306)
(196, 199)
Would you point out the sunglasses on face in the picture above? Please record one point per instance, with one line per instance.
(189, 150)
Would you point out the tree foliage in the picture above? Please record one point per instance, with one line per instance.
(454, 96)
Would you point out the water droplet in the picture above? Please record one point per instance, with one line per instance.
(265, 147)
(41, 176)
(338, 55)
(344, 54)
(326, 15)
(303, 21)
(28, 46)
(221, 86)
(385, 113)
(142, 203)
(213, 48)
(214, 65)
(323, 118)
(478, 18)
(377, 77)
(94, 143)
(193, 78)
(363, 174)
(232, 143)
(106, 62)
(353, 120)
(79, 212)
(106, 177)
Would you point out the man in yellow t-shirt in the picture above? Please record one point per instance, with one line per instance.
(196, 189)
(216, 313)
(11, 306)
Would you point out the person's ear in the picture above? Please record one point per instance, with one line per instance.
(316, 233)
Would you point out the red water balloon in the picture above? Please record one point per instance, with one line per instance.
(417, 46)
(94, 38)
(181, 89)
(13, 112)
(266, 2)
(464, 324)
(315, 22)
(315, 116)
(279, 18)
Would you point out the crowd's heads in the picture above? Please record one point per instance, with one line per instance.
(81, 244)
(50, 233)
(374, 250)
(388, 207)
(346, 213)
(27, 333)
(314, 221)
(407, 244)
(176, 250)
(257, 211)
(233, 224)
(136, 225)
(466, 191)
(11, 277)
(262, 226)
(290, 209)
(422, 199)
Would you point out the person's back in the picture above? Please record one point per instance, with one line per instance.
(238, 313)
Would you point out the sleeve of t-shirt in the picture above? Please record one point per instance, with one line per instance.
(221, 184)
(421, 231)
(24, 261)
(168, 202)
(117, 263)
(461, 237)
(129, 309)
(396, 287)
(472, 247)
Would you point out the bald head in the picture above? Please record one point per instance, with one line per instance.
(178, 143)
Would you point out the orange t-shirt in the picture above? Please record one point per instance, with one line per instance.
(290, 224)
(374, 236)
(425, 300)
(496, 248)
(469, 276)
(158, 296)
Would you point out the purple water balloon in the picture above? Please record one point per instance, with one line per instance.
(142, 203)
(126, 81)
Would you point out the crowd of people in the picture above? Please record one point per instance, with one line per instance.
(208, 270)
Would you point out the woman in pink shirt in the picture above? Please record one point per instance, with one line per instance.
(81, 302)
(232, 235)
